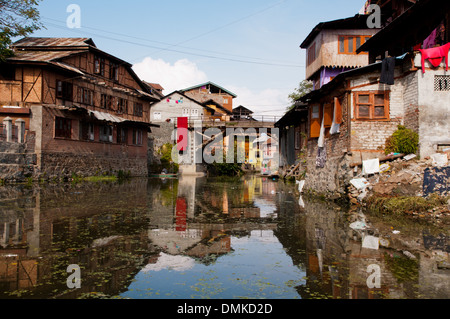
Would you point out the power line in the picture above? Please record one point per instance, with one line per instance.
(182, 52)
(153, 41)
(227, 25)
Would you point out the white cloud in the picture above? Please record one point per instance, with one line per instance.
(180, 75)
(184, 73)
(265, 102)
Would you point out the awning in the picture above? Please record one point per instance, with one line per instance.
(107, 117)
(102, 116)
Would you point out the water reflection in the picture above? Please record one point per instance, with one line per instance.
(209, 238)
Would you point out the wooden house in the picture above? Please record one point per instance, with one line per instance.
(331, 48)
(86, 109)
(210, 91)
(241, 113)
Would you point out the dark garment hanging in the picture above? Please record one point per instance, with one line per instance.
(387, 71)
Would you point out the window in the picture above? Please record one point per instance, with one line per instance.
(105, 101)
(86, 131)
(122, 135)
(138, 109)
(312, 53)
(316, 121)
(372, 105)
(99, 66)
(63, 127)
(106, 133)
(137, 136)
(186, 112)
(114, 72)
(297, 138)
(157, 116)
(348, 44)
(64, 90)
(85, 96)
(442, 83)
(122, 106)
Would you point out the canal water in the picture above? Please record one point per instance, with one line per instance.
(209, 238)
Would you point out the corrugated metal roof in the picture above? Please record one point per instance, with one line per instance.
(40, 56)
(102, 116)
(30, 42)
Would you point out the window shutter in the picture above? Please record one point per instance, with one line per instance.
(338, 110)
(328, 115)
(315, 116)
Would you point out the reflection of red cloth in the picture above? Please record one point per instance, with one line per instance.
(180, 213)
(435, 56)
(182, 132)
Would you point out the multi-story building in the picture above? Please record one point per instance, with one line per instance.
(86, 111)
(331, 48)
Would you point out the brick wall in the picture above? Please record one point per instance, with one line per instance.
(331, 179)
(59, 157)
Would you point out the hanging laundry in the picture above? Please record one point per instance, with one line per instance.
(435, 56)
(387, 71)
(182, 134)
(321, 157)
(337, 117)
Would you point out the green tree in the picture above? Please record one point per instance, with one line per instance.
(304, 88)
(17, 18)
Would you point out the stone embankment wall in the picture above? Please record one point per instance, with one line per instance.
(17, 163)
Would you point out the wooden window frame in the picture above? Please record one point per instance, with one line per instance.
(312, 54)
(66, 130)
(114, 72)
(138, 109)
(106, 137)
(64, 90)
(138, 137)
(122, 135)
(122, 106)
(346, 50)
(99, 66)
(371, 106)
(317, 122)
(87, 131)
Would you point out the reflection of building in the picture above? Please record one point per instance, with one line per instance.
(92, 226)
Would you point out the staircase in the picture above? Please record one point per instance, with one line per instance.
(294, 171)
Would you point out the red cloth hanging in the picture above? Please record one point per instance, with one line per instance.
(435, 56)
(182, 134)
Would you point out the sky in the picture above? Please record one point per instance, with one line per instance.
(249, 47)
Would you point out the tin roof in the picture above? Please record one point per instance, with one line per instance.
(47, 43)
(357, 22)
(209, 84)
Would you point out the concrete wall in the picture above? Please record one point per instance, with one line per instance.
(170, 109)
(434, 110)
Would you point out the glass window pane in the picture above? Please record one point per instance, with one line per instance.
(341, 44)
(379, 99)
(364, 98)
(358, 42)
(350, 44)
(315, 112)
(379, 111)
(364, 111)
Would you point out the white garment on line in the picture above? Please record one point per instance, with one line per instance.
(371, 166)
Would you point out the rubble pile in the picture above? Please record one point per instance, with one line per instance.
(406, 176)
